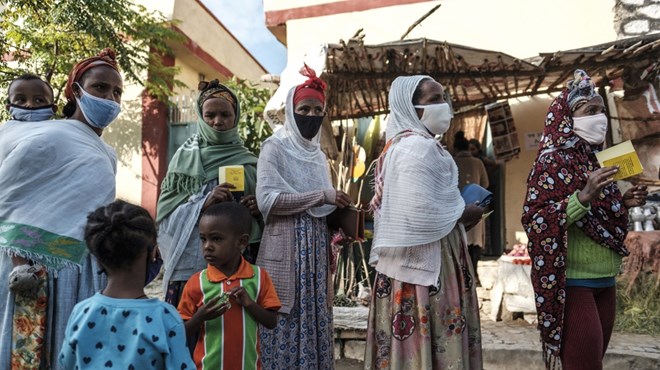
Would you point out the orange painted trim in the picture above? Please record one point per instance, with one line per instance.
(200, 53)
(279, 17)
(199, 2)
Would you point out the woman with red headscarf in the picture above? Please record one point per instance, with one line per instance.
(52, 175)
(294, 194)
(576, 220)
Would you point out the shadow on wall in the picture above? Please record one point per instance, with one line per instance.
(125, 134)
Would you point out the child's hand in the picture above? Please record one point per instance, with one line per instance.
(265, 317)
(241, 296)
(212, 310)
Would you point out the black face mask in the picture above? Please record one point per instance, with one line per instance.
(308, 126)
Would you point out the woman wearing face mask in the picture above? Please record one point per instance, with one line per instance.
(191, 185)
(424, 312)
(52, 174)
(576, 220)
(295, 194)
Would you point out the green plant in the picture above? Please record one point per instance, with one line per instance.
(48, 37)
(638, 309)
(251, 125)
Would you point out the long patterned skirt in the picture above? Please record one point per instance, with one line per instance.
(66, 287)
(303, 338)
(421, 327)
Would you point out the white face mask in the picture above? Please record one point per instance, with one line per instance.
(436, 117)
(591, 128)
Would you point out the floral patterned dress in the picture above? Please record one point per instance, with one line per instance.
(426, 327)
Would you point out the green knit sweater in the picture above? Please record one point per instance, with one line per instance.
(587, 259)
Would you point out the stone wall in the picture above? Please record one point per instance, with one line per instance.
(636, 17)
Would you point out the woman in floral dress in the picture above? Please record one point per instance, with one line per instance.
(424, 313)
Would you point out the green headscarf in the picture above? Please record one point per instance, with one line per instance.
(196, 162)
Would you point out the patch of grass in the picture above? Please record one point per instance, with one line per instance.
(638, 311)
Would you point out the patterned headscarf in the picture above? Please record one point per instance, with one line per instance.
(581, 89)
(562, 167)
(214, 89)
(106, 57)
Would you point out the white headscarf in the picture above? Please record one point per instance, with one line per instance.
(295, 165)
(421, 202)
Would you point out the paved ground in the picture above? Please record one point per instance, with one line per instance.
(346, 364)
(515, 345)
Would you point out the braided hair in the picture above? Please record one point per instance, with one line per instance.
(119, 232)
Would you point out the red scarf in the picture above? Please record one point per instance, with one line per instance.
(562, 167)
(106, 57)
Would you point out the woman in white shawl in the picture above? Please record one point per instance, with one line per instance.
(294, 194)
(52, 175)
(424, 313)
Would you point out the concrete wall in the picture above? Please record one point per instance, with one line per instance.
(519, 28)
(124, 135)
(529, 117)
(637, 17)
(210, 35)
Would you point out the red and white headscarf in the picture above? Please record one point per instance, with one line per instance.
(313, 88)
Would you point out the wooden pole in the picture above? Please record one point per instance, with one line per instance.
(420, 20)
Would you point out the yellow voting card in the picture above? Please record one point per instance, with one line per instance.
(624, 156)
(234, 175)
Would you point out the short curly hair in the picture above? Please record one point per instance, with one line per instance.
(119, 232)
(239, 217)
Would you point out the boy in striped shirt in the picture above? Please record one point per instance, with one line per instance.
(225, 303)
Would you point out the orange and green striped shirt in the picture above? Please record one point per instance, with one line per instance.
(230, 341)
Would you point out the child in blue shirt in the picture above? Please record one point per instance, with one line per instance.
(120, 327)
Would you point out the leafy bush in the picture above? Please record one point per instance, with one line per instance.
(252, 127)
(638, 310)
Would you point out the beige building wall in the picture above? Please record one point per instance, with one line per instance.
(125, 136)
(208, 34)
(517, 27)
(529, 117)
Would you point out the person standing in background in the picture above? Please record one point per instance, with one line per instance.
(471, 170)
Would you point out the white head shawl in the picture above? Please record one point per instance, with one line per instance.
(421, 202)
(299, 166)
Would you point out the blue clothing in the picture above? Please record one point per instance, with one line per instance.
(596, 283)
(302, 340)
(106, 332)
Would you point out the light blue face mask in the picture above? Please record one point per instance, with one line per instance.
(97, 111)
(31, 114)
